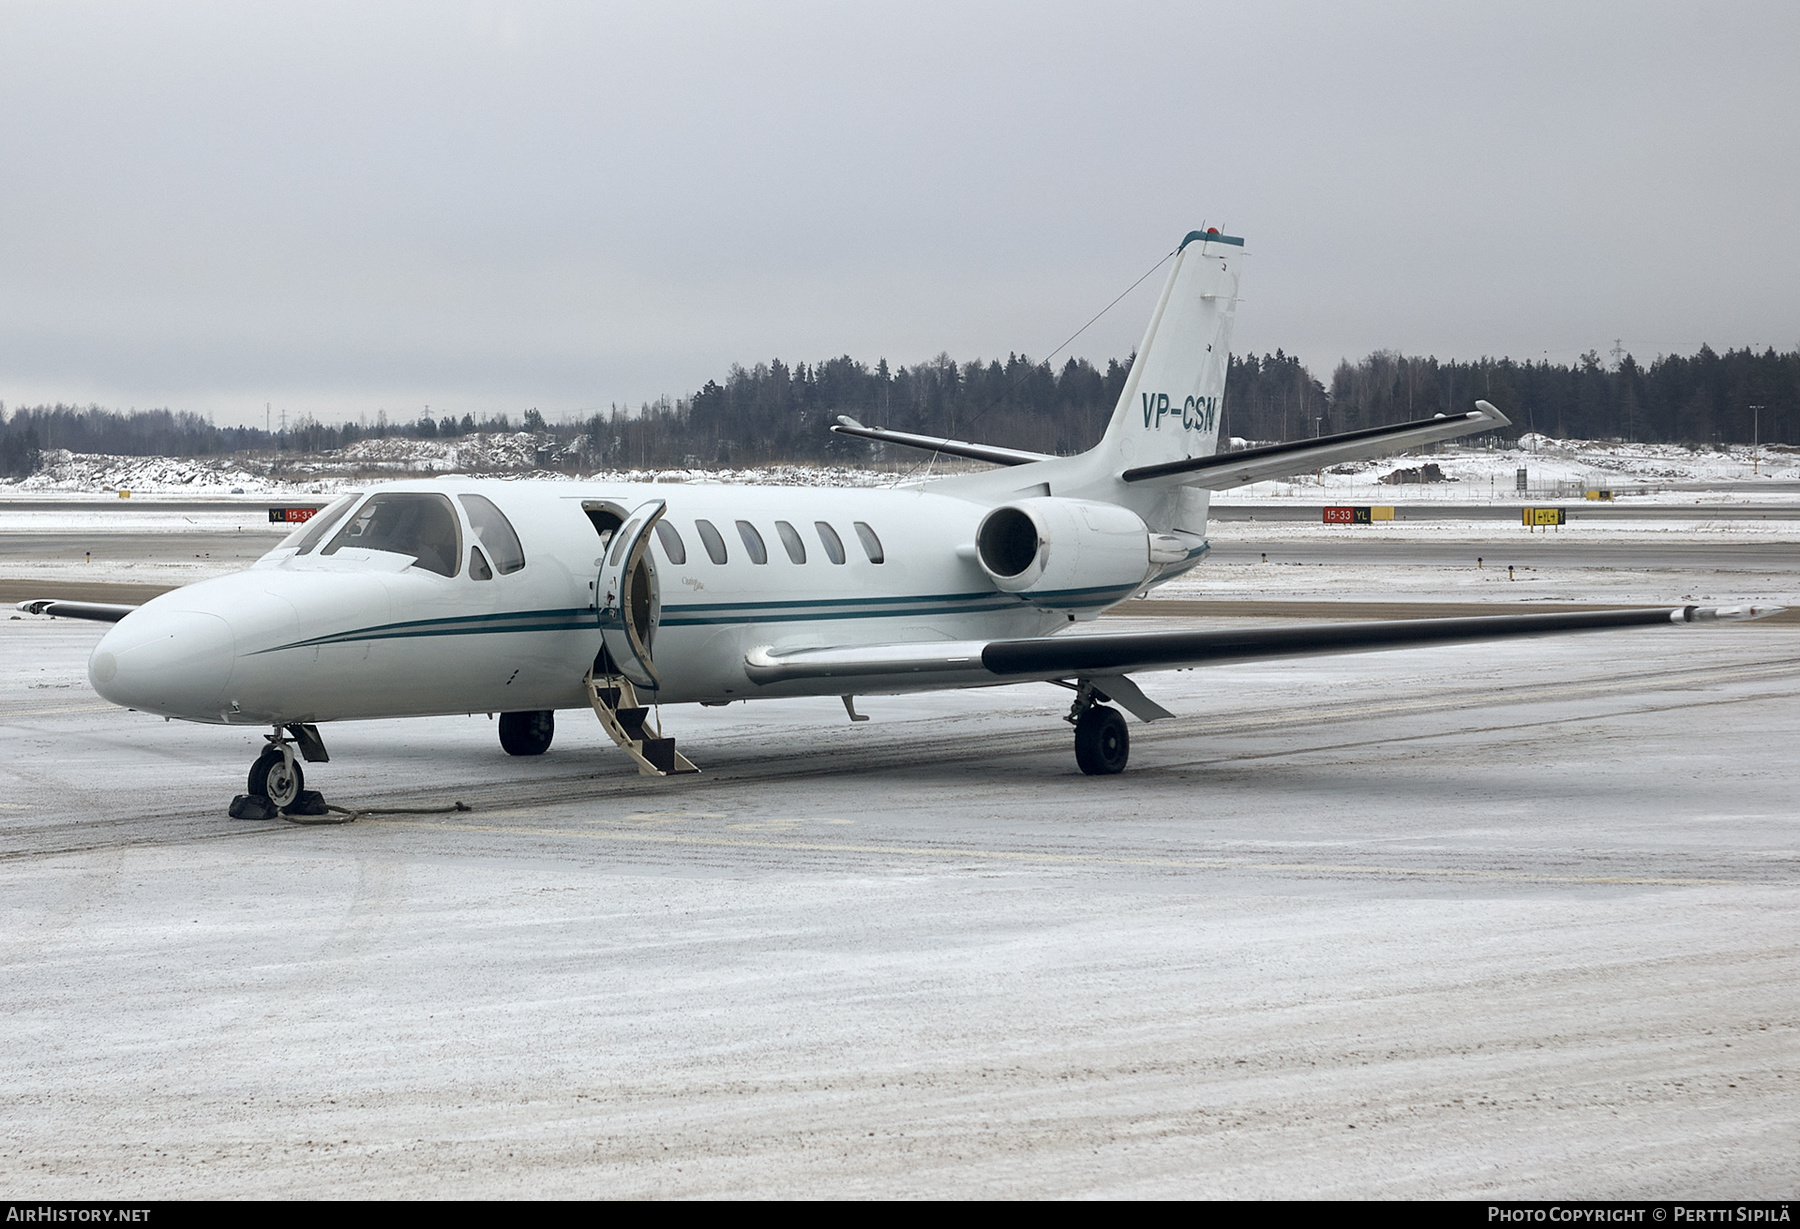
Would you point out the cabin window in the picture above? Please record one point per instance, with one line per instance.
(790, 538)
(834, 545)
(620, 541)
(419, 524)
(673, 547)
(313, 532)
(496, 533)
(712, 540)
(870, 542)
(478, 565)
(753, 542)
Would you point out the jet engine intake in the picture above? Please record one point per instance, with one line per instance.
(1064, 554)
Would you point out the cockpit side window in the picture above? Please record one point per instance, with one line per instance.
(496, 533)
(421, 524)
(321, 523)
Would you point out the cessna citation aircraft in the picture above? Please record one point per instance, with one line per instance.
(521, 598)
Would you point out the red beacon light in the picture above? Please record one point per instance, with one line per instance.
(1212, 230)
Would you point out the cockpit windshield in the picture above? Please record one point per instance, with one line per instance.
(321, 522)
(422, 525)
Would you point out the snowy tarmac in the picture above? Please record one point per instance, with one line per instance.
(1509, 921)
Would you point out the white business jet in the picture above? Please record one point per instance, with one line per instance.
(521, 598)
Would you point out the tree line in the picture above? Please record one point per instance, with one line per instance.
(775, 412)
(1737, 397)
(28, 431)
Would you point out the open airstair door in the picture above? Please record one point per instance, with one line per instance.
(629, 602)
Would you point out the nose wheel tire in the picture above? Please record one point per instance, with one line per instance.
(276, 778)
(1102, 743)
(527, 733)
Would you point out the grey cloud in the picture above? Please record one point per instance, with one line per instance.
(344, 207)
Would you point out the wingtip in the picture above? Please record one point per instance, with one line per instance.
(1723, 614)
(1488, 410)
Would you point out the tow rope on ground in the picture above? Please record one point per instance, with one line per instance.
(352, 814)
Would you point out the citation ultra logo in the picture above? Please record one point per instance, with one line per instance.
(1196, 413)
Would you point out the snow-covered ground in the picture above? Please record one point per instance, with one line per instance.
(1657, 472)
(1508, 922)
(1436, 924)
(287, 475)
(1427, 585)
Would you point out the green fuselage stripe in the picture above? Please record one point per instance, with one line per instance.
(698, 614)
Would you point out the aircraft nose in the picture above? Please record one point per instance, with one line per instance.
(176, 663)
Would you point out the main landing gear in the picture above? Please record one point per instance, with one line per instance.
(527, 733)
(1102, 743)
(277, 784)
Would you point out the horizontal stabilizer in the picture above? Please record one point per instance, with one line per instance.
(99, 612)
(1230, 469)
(846, 425)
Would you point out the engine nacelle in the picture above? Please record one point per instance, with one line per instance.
(1065, 554)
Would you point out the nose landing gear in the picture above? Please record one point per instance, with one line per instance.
(276, 775)
(277, 785)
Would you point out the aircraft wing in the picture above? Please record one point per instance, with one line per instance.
(1228, 469)
(100, 612)
(847, 425)
(1107, 658)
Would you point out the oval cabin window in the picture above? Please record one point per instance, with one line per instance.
(790, 538)
(674, 549)
(871, 544)
(753, 542)
(712, 539)
(828, 538)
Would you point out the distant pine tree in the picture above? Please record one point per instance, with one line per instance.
(20, 456)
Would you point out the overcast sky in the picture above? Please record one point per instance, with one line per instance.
(339, 208)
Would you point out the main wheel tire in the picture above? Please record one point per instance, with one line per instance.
(527, 733)
(275, 778)
(1102, 743)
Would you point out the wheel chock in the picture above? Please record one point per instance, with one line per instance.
(252, 806)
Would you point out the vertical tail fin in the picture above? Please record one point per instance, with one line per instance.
(1169, 410)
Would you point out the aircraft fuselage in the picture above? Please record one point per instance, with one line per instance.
(367, 633)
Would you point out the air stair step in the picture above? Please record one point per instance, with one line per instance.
(625, 721)
(661, 753)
